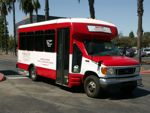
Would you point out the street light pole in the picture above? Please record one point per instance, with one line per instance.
(140, 11)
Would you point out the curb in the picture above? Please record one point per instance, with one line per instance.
(2, 77)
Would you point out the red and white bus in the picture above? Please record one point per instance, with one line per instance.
(74, 52)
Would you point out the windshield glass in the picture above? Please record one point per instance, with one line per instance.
(101, 48)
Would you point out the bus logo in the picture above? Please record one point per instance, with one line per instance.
(49, 43)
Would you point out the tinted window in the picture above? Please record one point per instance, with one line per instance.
(39, 38)
(38, 41)
(30, 41)
(22, 41)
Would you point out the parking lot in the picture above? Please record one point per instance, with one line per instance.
(21, 95)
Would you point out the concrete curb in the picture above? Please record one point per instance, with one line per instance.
(2, 77)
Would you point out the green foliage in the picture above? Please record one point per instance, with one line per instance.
(11, 42)
(1, 32)
(131, 34)
(146, 39)
(132, 42)
(5, 7)
(28, 6)
(36, 5)
(125, 42)
(146, 34)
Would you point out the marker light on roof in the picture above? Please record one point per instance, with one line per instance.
(104, 29)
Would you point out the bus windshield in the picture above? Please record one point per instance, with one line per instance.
(101, 48)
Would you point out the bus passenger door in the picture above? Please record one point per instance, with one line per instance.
(63, 45)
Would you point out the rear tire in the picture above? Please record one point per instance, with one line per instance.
(92, 86)
(32, 74)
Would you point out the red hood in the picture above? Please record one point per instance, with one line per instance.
(116, 60)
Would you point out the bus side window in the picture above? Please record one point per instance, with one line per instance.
(39, 45)
(30, 41)
(77, 59)
(22, 41)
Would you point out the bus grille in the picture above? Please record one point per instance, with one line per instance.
(125, 71)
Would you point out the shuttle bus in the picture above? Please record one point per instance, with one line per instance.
(75, 52)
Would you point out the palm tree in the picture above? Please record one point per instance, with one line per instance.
(37, 6)
(27, 7)
(14, 21)
(140, 11)
(5, 7)
(46, 9)
(91, 8)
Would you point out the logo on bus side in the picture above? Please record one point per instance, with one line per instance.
(49, 43)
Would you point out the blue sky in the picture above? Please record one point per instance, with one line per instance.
(122, 13)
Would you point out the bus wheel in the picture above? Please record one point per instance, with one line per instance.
(32, 74)
(92, 86)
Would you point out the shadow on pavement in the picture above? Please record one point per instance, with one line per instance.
(116, 95)
(9, 72)
(52, 82)
(137, 93)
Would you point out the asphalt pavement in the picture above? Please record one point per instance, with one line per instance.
(22, 95)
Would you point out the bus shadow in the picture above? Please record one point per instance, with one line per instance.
(9, 72)
(52, 82)
(113, 95)
(137, 93)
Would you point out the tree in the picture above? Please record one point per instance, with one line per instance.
(14, 21)
(91, 8)
(146, 39)
(5, 7)
(124, 42)
(11, 42)
(46, 9)
(131, 34)
(37, 6)
(146, 34)
(27, 7)
(1, 33)
(140, 11)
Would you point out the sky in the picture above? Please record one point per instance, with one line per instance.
(122, 13)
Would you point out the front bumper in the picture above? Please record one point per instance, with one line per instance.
(104, 82)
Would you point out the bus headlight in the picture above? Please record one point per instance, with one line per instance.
(107, 70)
(110, 71)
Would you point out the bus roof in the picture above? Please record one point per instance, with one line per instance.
(70, 20)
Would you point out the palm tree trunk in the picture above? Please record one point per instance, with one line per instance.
(31, 17)
(140, 11)
(5, 35)
(92, 10)
(14, 21)
(37, 19)
(46, 9)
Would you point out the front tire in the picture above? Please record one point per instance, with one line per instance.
(32, 74)
(92, 86)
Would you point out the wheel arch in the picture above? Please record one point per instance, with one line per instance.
(30, 66)
(89, 73)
